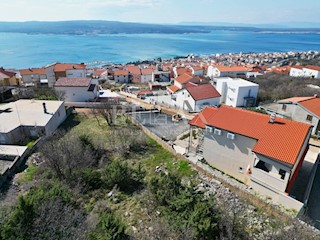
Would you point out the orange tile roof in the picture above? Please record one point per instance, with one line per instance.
(33, 71)
(295, 99)
(146, 71)
(197, 68)
(317, 68)
(98, 72)
(204, 91)
(184, 78)
(313, 105)
(173, 88)
(121, 72)
(231, 68)
(134, 70)
(281, 140)
(297, 66)
(202, 118)
(62, 67)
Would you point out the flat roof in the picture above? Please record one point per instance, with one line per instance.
(237, 81)
(26, 113)
(12, 150)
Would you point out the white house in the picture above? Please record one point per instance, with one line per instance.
(301, 109)
(77, 89)
(146, 75)
(33, 75)
(263, 152)
(311, 71)
(121, 76)
(237, 92)
(29, 118)
(197, 71)
(296, 71)
(196, 97)
(227, 71)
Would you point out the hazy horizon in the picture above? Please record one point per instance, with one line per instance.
(163, 11)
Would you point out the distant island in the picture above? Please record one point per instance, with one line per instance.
(82, 27)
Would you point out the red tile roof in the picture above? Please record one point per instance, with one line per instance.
(7, 73)
(121, 73)
(184, 78)
(98, 72)
(295, 99)
(173, 88)
(33, 71)
(202, 118)
(204, 91)
(317, 68)
(134, 70)
(73, 82)
(232, 68)
(62, 67)
(313, 105)
(146, 92)
(297, 66)
(146, 71)
(281, 140)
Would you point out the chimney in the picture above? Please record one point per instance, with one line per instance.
(272, 118)
(44, 107)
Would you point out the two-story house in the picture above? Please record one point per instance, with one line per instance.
(263, 152)
(196, 97)
(77, 89)
(237, 92)
(301, 109)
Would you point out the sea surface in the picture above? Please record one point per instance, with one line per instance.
(19, 50)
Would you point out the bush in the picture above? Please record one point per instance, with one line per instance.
(120, 174)
(109, 227)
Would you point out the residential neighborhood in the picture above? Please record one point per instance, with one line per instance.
(205, 111)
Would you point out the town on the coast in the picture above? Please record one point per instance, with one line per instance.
(248, 123)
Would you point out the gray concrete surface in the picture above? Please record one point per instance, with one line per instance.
(162, 124)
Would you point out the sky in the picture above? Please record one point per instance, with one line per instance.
(163, 11)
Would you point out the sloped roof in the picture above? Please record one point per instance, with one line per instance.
(62, 67)
(33, 71)
(281, 140)
(173, 88)
(134, 70)
(204, 91)
(317, 68)
(121, 73)
(72, 82)
(295, 99)
(222, 68)
(312, 104)
(7, 73)
(98, 72)
(184, 78)
(201, 119)
(146, 71)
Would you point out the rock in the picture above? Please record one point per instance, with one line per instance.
(110, 194)
(134, 229)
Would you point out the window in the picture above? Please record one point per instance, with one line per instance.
(240, 170)
(309, 118)
(217, 131)
(230, 136)
(284, 107)
(91, 87)
(282, 173)
(208, 129)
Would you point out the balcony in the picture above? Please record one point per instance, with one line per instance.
(270, 179)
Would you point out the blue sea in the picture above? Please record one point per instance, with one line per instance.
(24, 50)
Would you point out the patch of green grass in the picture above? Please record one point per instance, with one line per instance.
(30, 143)
(28, 173)
(184, 168)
